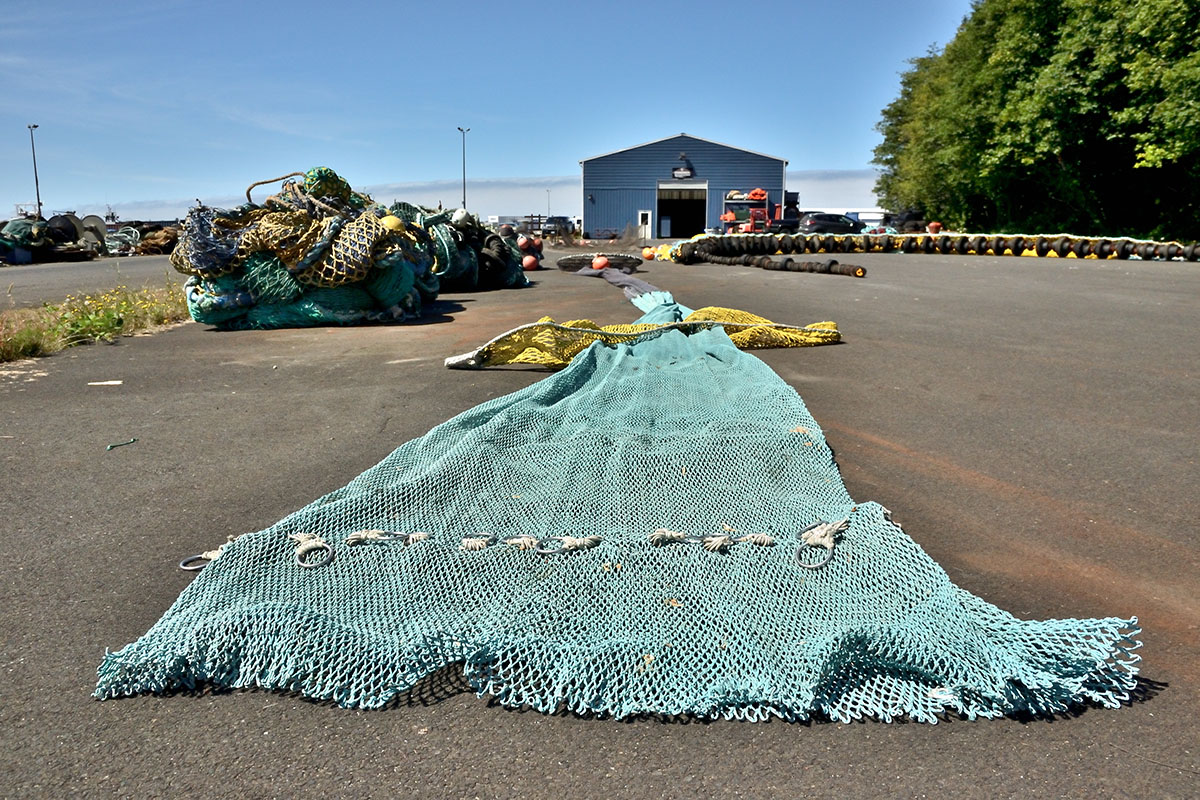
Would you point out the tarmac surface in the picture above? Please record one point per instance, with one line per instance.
(1033, 423)
(30, 285)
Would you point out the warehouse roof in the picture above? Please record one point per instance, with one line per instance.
(689, 136)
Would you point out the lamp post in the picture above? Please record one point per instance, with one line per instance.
(547, 204)
(464, 137)
(36, 187)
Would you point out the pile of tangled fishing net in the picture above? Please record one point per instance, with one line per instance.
(320, 253)
(142, 240)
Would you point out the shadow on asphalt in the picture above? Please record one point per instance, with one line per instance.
(436, 313)
(449, 682)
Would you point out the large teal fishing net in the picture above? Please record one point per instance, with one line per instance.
(658, 528)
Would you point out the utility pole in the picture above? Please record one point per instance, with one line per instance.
(36, 187)
(464, 137)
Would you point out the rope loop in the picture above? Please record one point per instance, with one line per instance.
(479, 541)
(523, 542)
(271, 180)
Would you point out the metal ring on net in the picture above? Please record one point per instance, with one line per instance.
(325, 556)
(832, 529)
(190, 564)
(819, 564)
(549, 550)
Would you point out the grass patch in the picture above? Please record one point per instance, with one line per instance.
(33, 332)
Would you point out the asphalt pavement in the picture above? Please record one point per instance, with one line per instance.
(1033, 423)
(30, 285)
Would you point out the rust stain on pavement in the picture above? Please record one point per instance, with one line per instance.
(1161, 590)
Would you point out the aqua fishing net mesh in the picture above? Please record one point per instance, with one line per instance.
(676, 433)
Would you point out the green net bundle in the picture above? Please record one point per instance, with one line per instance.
(284, 263)
(659, 528)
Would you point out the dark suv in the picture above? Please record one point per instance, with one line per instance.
(829, 223)
(910, 220)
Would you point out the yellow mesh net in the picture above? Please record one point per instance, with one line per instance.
(553, 344)
(287, 234)
(349, 257)
(292, 235)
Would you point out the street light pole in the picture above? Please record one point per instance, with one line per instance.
(547, 204)
(36, 187)
(464, 134)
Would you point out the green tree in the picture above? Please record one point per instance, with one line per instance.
(1052, 115)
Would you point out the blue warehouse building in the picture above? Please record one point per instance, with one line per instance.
(674, 187)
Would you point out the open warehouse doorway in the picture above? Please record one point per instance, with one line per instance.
(682, 210)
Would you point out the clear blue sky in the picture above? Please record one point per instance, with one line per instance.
(147, 106)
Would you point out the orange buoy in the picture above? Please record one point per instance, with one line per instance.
(648, 253)
(523, 242)
(599, 262)
(537, 244)
(529, 263)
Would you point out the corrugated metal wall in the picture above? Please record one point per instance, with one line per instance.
(617, 185)
(611, 209)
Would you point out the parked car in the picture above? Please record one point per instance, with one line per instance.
(828, 223)
(790, 222)
(557, 226)
(910, 220)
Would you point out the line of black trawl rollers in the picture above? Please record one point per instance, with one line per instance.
(755, 250)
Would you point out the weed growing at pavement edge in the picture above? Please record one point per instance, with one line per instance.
(28, 333)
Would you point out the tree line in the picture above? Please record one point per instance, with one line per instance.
(1046, 116)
